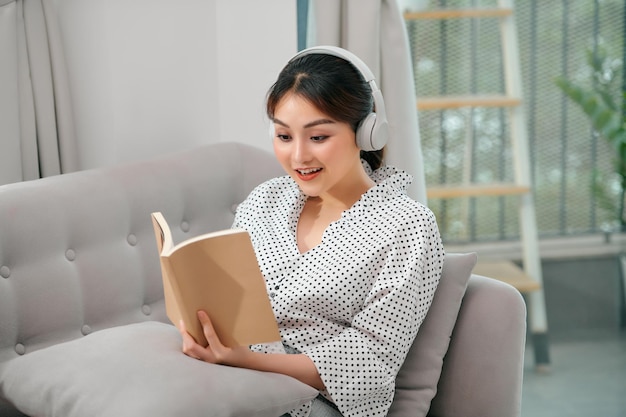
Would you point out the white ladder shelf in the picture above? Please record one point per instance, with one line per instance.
(528, 280)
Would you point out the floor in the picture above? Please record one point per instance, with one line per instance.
(587, 376)
(586, 312)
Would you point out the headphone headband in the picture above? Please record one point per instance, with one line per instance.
(340, 53)
(372, 132)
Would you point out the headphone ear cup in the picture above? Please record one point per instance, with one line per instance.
(365, 139)
(380, 134)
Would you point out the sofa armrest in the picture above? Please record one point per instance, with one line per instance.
(483, 368)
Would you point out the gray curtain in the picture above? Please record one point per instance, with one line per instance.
(374, 30)
(35, 113)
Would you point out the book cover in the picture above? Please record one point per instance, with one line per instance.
(217, 272)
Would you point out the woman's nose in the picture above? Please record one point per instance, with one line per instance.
(300, 152)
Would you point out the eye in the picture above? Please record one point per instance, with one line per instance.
(283, 137)
(318, 138)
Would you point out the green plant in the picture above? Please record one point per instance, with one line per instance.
(598, 99)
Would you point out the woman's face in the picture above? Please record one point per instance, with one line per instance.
(318, 152)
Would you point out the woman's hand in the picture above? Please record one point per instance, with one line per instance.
(297, 366)
(215, 352)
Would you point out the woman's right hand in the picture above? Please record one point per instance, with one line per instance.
(215, 351)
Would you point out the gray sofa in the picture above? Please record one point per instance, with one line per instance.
(83, 330)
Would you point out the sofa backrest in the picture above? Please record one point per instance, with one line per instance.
(78, 252)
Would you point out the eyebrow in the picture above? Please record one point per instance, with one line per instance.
(308, 125)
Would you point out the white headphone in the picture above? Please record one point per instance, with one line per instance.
(373, 131)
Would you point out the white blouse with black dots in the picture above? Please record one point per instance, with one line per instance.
(355, 302)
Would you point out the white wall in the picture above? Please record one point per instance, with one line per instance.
(254, 42)
(149, 77)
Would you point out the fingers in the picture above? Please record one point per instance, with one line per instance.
(191, 347)
(214, 352)
(207, 329)
(181, 326)
(189, 343)
(219, 352)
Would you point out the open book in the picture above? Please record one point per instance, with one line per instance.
(217, 272)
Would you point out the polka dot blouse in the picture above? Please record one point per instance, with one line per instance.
(355, 302)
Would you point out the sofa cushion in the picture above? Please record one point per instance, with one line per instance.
(139, 370)
(416, 384)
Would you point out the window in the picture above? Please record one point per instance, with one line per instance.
(462, 56)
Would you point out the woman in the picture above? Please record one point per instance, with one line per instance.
(351, 263)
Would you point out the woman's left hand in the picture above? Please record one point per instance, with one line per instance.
(215, 351)
(297, 366)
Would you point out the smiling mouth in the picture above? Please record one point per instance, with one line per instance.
(308, 174)
(308, 171)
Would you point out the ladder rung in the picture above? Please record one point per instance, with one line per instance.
(476, 190)
(507, 272)
(455, 102)
(458, 13)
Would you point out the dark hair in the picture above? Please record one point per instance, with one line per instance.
(332, 85)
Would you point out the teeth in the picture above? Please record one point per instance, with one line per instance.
(308, 171)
